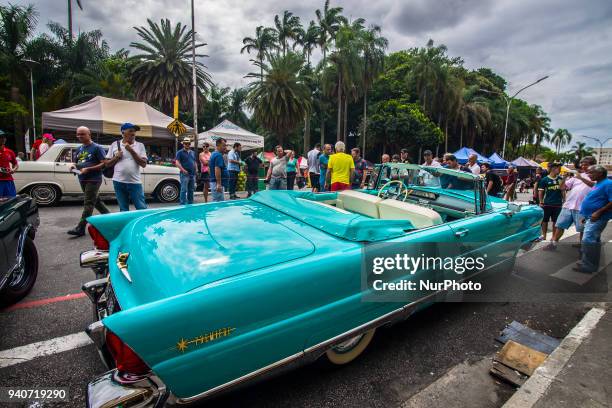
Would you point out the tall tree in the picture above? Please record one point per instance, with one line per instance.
(309, 39)
(329, 21)
(280, 101)
(236, 109)
(163, 70)
(288, 27)
(263, 42)
(348, 63)
(373, 47)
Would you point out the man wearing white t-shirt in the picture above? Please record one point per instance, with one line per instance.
(473, 165)
(128, 156)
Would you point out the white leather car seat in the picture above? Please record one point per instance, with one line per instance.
(420, 217)
(358, 202)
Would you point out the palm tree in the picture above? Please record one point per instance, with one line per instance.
(540, 126)
(236, 109)
(17, 25)
(163, 70)
(108, 78)
(427, 72)
(287, 28)
(373, 48)
(473, 114)
(329, 21)
(348, 62)
(218, 106)
(309, 39)
(581, 150)
(560, 138)
(281, 99)
(263, 42)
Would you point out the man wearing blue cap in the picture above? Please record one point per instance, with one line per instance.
(128, 156)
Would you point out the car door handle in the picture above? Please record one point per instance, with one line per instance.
(462, 232)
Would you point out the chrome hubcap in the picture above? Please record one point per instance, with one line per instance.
(43, 194)
(169, 192)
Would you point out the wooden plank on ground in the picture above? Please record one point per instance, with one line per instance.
(508, 374)
(519, 357)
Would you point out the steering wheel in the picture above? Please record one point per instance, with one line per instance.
(402, 189)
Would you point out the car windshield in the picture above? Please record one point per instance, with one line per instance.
(414, 175)
(427, 182)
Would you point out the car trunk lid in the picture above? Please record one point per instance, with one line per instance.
(176, 251)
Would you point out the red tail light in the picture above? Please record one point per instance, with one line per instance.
(99, 241)
(126, 360)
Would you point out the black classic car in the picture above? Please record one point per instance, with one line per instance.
(18, 255)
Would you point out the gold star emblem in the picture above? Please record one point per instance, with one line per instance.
(181, 345)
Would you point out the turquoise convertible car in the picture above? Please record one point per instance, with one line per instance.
(195, 300)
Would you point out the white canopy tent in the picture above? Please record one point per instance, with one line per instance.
(232, 133)
(106, 115)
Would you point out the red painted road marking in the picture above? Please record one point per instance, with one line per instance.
(41, 302)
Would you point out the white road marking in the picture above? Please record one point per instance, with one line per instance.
(44, 348)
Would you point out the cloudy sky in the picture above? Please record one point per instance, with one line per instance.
(523, 40)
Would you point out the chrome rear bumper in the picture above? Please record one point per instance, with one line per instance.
(93, 258)
(110, 390)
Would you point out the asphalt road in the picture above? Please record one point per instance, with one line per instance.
(400, 361)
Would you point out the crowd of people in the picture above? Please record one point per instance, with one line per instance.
(581, 198)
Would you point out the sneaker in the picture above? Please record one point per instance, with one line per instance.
(77, 231)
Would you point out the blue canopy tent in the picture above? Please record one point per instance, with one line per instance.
(497, 162)
(464, 153)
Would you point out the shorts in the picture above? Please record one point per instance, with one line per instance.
(7, 188)
(568, 217)
(340, 186)
(314, 180)
(205, 177)
(551, 213)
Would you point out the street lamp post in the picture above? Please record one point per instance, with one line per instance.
(30, 63)
(194, 79)
(601, 144)
(508, 103)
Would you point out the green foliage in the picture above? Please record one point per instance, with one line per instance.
(396, 124)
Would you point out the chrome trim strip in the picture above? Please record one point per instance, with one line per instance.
(245, 377)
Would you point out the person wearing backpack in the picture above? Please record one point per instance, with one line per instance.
(126, 157)
(89, 161)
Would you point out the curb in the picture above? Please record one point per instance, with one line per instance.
(537, 385)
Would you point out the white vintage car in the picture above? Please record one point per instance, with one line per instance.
(49, 178)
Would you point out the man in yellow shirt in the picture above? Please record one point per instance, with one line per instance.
(339, 169)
